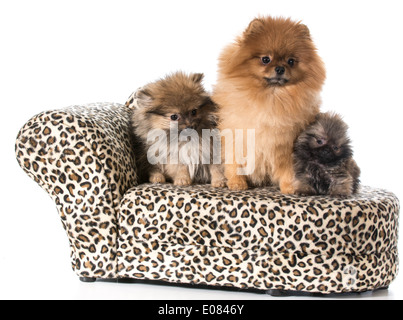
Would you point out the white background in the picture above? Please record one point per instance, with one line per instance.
(58, 53)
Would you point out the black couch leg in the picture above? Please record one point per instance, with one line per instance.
(87, 279)
(290, 293)
(277, 293)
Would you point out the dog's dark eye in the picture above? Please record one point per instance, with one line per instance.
(174, 117)
(266, 60)
(193, 112)
(336, 148)
(291, 62)
(320, 142)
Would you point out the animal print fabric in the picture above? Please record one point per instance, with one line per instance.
(259, 238)
(83, 157)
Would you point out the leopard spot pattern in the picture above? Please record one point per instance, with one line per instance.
(259, 238)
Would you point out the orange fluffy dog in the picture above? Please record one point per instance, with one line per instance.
(269, 80)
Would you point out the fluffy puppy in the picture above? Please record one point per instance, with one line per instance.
(172, 110)
(323, 159)
(269, 80)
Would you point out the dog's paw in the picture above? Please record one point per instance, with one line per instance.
(218, 183)
(182, 181)
(157, 177)
(287, 188)
(237, 184)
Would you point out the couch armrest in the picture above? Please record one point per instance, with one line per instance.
(83, 157)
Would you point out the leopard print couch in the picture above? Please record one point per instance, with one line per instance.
(82, 156)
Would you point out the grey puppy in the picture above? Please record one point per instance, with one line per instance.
(323, 159)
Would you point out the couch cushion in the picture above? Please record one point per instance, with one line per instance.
(286, 230)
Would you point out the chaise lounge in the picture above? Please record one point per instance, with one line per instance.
(255, 239)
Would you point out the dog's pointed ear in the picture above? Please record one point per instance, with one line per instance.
(255, 26)
(304, 31)
(140, 99)
(144, 97)
(197, 77)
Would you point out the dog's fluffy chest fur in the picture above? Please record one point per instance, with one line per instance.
(277, 120)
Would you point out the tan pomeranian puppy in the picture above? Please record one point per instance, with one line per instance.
(165, 114)
(269, 80)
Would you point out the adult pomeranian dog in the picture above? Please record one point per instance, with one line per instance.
(269, 80)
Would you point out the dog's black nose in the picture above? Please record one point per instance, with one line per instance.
(280, 70)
